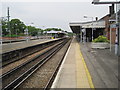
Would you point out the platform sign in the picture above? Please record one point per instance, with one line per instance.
(113, 26)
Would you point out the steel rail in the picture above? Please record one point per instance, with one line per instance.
(5, 63)
(49, 84)
(42, 65)
(21, 77)
(20, 66)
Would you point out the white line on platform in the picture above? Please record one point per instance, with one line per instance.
(54, 85)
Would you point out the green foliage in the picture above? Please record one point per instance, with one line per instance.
(100, 39)
(4, 27)
(54, 29)
(70, 33)
(33, 31)
(17, 26)
(13, 35)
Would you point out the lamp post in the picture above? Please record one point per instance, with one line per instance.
(16, 30)
(8, 16)
(45, 32)
(92, 24)
(38, 32)
(96, 2)
(27, 31)
(0, 31)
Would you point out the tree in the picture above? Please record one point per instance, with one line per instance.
(55, 29)
(4, 27)
(33, 31)
(17, 26)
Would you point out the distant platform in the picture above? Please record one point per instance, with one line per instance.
(18, 45)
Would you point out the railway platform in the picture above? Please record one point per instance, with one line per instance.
(19, 45)
(73, 72)
(84, 67)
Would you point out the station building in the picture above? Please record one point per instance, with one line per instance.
(85, 30)
(105, 26)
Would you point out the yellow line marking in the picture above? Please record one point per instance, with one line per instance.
(87, 71)
(84, 79)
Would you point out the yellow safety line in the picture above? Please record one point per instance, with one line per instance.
(87, 72)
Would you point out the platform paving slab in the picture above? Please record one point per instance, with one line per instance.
(72, 73)
(103, 66)
(18, 45)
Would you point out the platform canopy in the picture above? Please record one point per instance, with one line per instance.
(52, 31)
(77, 26)
(75, 29)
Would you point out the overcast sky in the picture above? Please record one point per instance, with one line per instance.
(54, 14)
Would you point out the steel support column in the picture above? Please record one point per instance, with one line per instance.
(119, 35)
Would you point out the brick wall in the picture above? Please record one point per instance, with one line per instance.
(107, 28)
(113, 35)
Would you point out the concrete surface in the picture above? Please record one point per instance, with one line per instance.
(18, 45)
(72, 73)
(103, 66)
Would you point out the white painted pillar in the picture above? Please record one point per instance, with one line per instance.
(116, 40)
(110, 39)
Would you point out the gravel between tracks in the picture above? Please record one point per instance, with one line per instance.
(40, 78)
(8, 79)
(19, 62)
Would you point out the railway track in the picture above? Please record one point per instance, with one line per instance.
(16, 76)
(54, 73)
(23, 60)
(20, 55)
